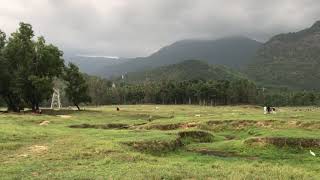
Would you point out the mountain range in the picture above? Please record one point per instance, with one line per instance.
(288, 60)
(235, 52)
(93, 65)
(291, 59)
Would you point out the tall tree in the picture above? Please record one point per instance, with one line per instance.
(77, 89)
(46, 65)
(8, 75)
(32, 66)
(3, 68)
(98, 89)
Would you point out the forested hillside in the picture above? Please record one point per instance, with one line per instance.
(291, 60)
(186, 70)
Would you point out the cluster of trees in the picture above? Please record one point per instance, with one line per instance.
(201, 92)
(292, 98)
(28, 68)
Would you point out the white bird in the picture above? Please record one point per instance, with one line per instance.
(312, 153)
(197, 115)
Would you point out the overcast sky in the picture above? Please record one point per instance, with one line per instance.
(129, 28)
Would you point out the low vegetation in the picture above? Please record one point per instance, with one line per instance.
(222, 142)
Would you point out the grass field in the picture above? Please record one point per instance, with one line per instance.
(161, 142)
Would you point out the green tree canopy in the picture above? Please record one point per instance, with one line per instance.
(28, 68)
(77, 88)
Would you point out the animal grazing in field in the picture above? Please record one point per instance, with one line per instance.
(268, 110)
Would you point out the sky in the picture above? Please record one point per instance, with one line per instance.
(131, 28)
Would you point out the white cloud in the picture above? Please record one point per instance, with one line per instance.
(139, 27)
(97, 56)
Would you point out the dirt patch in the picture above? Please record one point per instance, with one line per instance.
(243, 123)
(147, 117)
(64, 116)
(309, 124)
(196, 136)
(37, 149)
(34, 150)
(101, 126)
(227, 124)
(156, 146)
(166, 127)
(285, 142)
(189, 125)
(44, 123)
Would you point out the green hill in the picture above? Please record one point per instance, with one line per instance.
(235, 52)
(186, 70)
(291, 60)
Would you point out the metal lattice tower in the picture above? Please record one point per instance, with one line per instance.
(55, 102)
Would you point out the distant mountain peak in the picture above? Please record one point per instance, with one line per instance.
(316, 25)
(97, 56)
(233, 38)
(234, 51)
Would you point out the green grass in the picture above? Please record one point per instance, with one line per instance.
(31, 151)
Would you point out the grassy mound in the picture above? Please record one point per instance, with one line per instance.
(245, 124)
(237, 124)
(196, 136)
(185, 137)
(286, 142)
(166, 127)
(101, 126)
(156, 146)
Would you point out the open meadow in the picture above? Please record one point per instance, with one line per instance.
(161, 142)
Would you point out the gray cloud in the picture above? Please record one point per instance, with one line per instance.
(139, 27)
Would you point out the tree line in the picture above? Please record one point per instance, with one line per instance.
(28, 68)
(292, 98)
(222, 92)
(196, 92)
